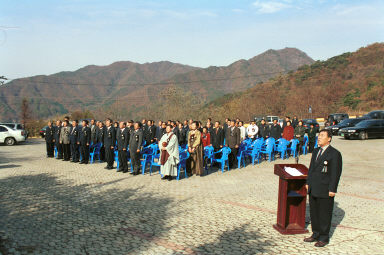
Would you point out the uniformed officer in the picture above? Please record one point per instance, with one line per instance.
(50, 139)
(109, 143)
(74, 138)
(93, 127)
(135, 142)
(58, 145)
(84, 142)
(122, 144)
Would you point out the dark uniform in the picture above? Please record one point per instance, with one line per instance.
(74, 138)
(149, 134)
(65, 142)
(85, 141)
(135, 142)
(109, 145)
(100, 139)
(58, 145)
(122, 137)
(49, 140)
(93, 134)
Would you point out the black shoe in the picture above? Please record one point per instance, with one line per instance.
(86, 162)
(135, 173)
(76, 161)
(119, 170)
(59, 158)
(82, 162)
(107, 167)
(169, 178)
(125, 171)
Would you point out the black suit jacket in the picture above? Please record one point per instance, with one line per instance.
(135, 140)
(232, 138)
(109, 137)
(150, 134)
(217, 139)
(322, 182)
(122, 139)
(85, 136)
(49, 134)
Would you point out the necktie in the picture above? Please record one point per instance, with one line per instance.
(319, 154)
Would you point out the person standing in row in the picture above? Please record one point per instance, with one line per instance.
(275, 130)
(322, 181)
(299, 135)
(135, 143)
(232, 140)
(194, 164)
(74, 138)
(169, 154)
(264, 130)
(288, 131)
(85, 141)
(59, 147)
(93, 128)
(109, 143)
(217, 137)
(50, 139)
(252, 130)
(65, 140)
(122, 144)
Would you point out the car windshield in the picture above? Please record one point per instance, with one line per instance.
(365, 124)
(346, 121)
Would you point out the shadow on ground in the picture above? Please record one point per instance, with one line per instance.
(39, 213)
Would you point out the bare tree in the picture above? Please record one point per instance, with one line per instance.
(25, 112)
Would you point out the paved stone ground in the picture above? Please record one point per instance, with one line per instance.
(54, 207)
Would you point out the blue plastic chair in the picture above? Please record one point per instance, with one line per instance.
(147, 153)
(116, 152)
(254, 151)
(183, 156)
(155, 161)
(208, 156)
(293, 148)
(315, 143)
(305, 146)
(267, 149)
(55, 152)
(241, 155)
(224, 157)
(281, 147)
(95, 152)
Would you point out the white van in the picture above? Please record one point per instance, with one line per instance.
(269, 119)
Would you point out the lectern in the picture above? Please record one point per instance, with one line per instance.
(292, 200)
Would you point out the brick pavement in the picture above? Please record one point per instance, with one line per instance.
(54, 207)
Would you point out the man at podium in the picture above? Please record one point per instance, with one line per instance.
(322, 181)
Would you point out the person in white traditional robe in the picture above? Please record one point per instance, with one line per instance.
(169, 154)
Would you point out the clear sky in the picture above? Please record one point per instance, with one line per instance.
(48, 36)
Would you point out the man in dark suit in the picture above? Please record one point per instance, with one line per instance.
(122, 144)
(217, 137)
(74, 138)
(149, 133)
(135, 142)
(264, 129)
(109, 143)
(232, 140)
(93, 128)
(50, 139)
(322, 181)
(85, 141)
(58, 145)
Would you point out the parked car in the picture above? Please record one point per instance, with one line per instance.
(364, 130)
(343, 124)
(379, 114)
(335, 118)
(42, 131)
(15, 126)
(307, 124)
(11, 136)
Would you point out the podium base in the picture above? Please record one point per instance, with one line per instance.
(290, 231)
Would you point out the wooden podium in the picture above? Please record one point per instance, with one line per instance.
(292, 200)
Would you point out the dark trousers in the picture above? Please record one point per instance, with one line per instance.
(300, 147)
(311, 145)
(321, 216)
(75, 152)
(102, 153)
(84, 148)
(123, 162)
(135, 161)
(232, 157)
(50, 149)
(109, 156)
(66, 151)
(59, 147)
